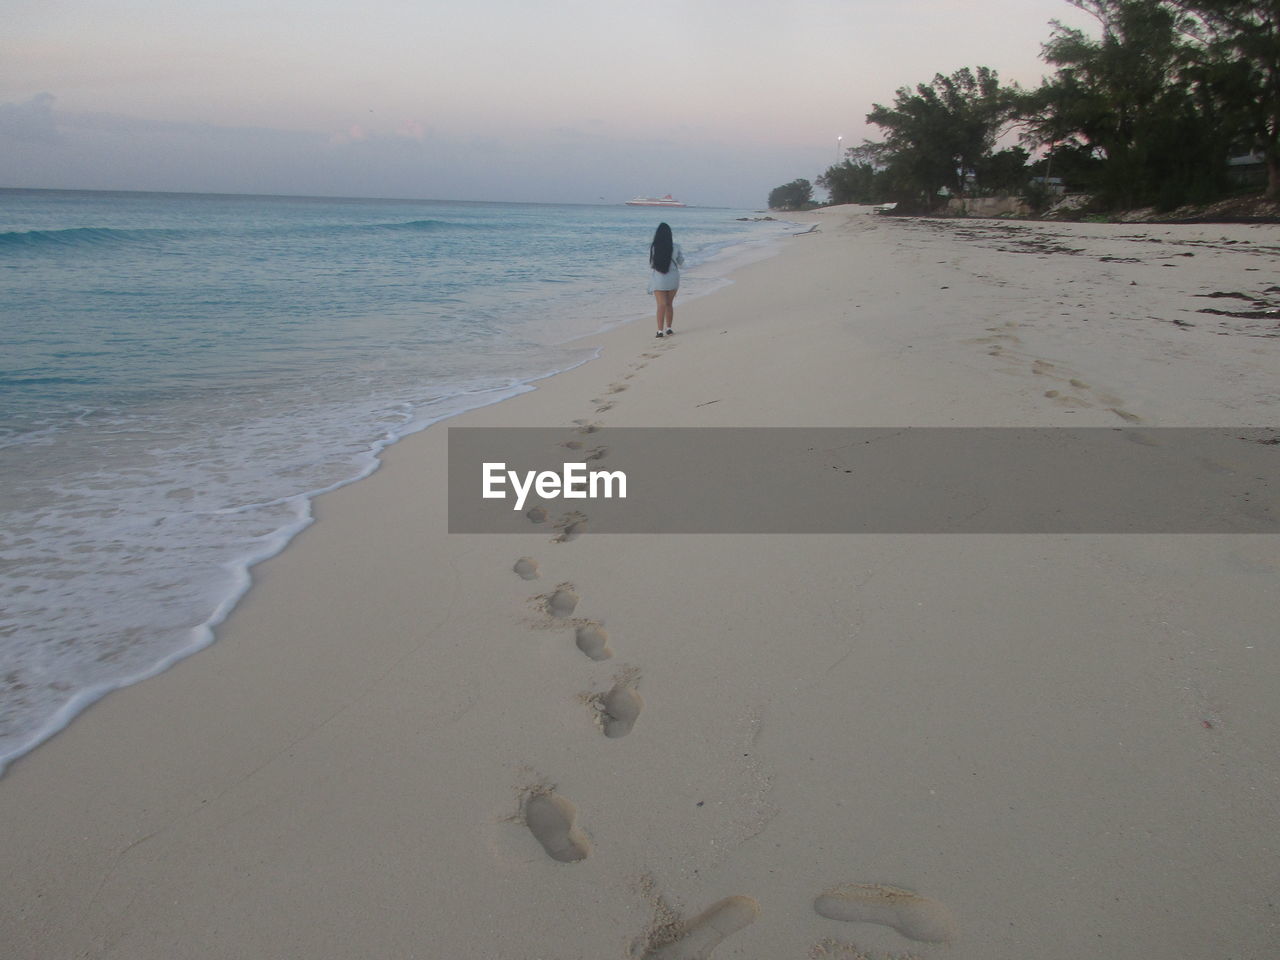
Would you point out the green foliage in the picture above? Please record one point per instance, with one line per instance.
(850, 182)
(1074, 163)
(938, 136)
(1037, 195)
(796, 195)
(1002, 174)
(1130, 95)
(1237, 71)
(1145, 110)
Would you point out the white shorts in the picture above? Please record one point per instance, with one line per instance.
(665, 281)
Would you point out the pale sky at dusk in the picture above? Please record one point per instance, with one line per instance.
(714, 101)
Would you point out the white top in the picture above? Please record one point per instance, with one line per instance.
(671, 279)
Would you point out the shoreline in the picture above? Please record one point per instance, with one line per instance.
(223, 588)
(1022, 730)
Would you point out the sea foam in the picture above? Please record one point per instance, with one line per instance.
(180, 376)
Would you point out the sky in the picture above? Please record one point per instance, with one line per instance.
(563, 101)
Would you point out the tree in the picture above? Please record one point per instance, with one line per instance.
(851, 182)
(1004, 173)
(1074, 163)
(1146, 113)
(796, 195)
(1131, 97)
(936, 136)
(1241, 70)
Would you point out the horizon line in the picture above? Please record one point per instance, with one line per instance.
(310, 196)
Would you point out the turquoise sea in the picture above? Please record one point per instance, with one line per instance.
(180, 375)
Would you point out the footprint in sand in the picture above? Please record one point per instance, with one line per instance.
(622, 706)
(1125, 415)
(593, 640)
(536, 514)
(1145, 439)
(562, 602)
(1067, 400)
(1213, 466)
(618, 709)
(1079, 384)
(696, 939)
(617, 387)
(999, 336)
(596, 453)
(571, 527)
(585, 426)
(572, 444)
(830, 949)
(527, 567)
(604, 407)
(552, 821)
(913, 916)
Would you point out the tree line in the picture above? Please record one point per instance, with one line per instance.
(1147, 113)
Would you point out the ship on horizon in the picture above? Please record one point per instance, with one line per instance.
(667, 201)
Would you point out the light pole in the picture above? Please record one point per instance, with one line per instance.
(839, 150)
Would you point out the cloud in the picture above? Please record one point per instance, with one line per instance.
(31, 121)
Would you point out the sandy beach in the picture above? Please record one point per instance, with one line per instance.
(564, 744)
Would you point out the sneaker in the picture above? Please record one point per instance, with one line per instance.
(658, 334)
(669, 331)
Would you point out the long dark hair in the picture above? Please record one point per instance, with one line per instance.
(661, 248)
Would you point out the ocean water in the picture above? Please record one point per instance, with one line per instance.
(180, 375)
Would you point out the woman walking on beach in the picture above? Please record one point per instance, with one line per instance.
(666, 258)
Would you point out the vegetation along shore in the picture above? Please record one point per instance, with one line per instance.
(1169, 113)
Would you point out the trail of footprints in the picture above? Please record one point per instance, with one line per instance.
(1085, 396)
(552, 819)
